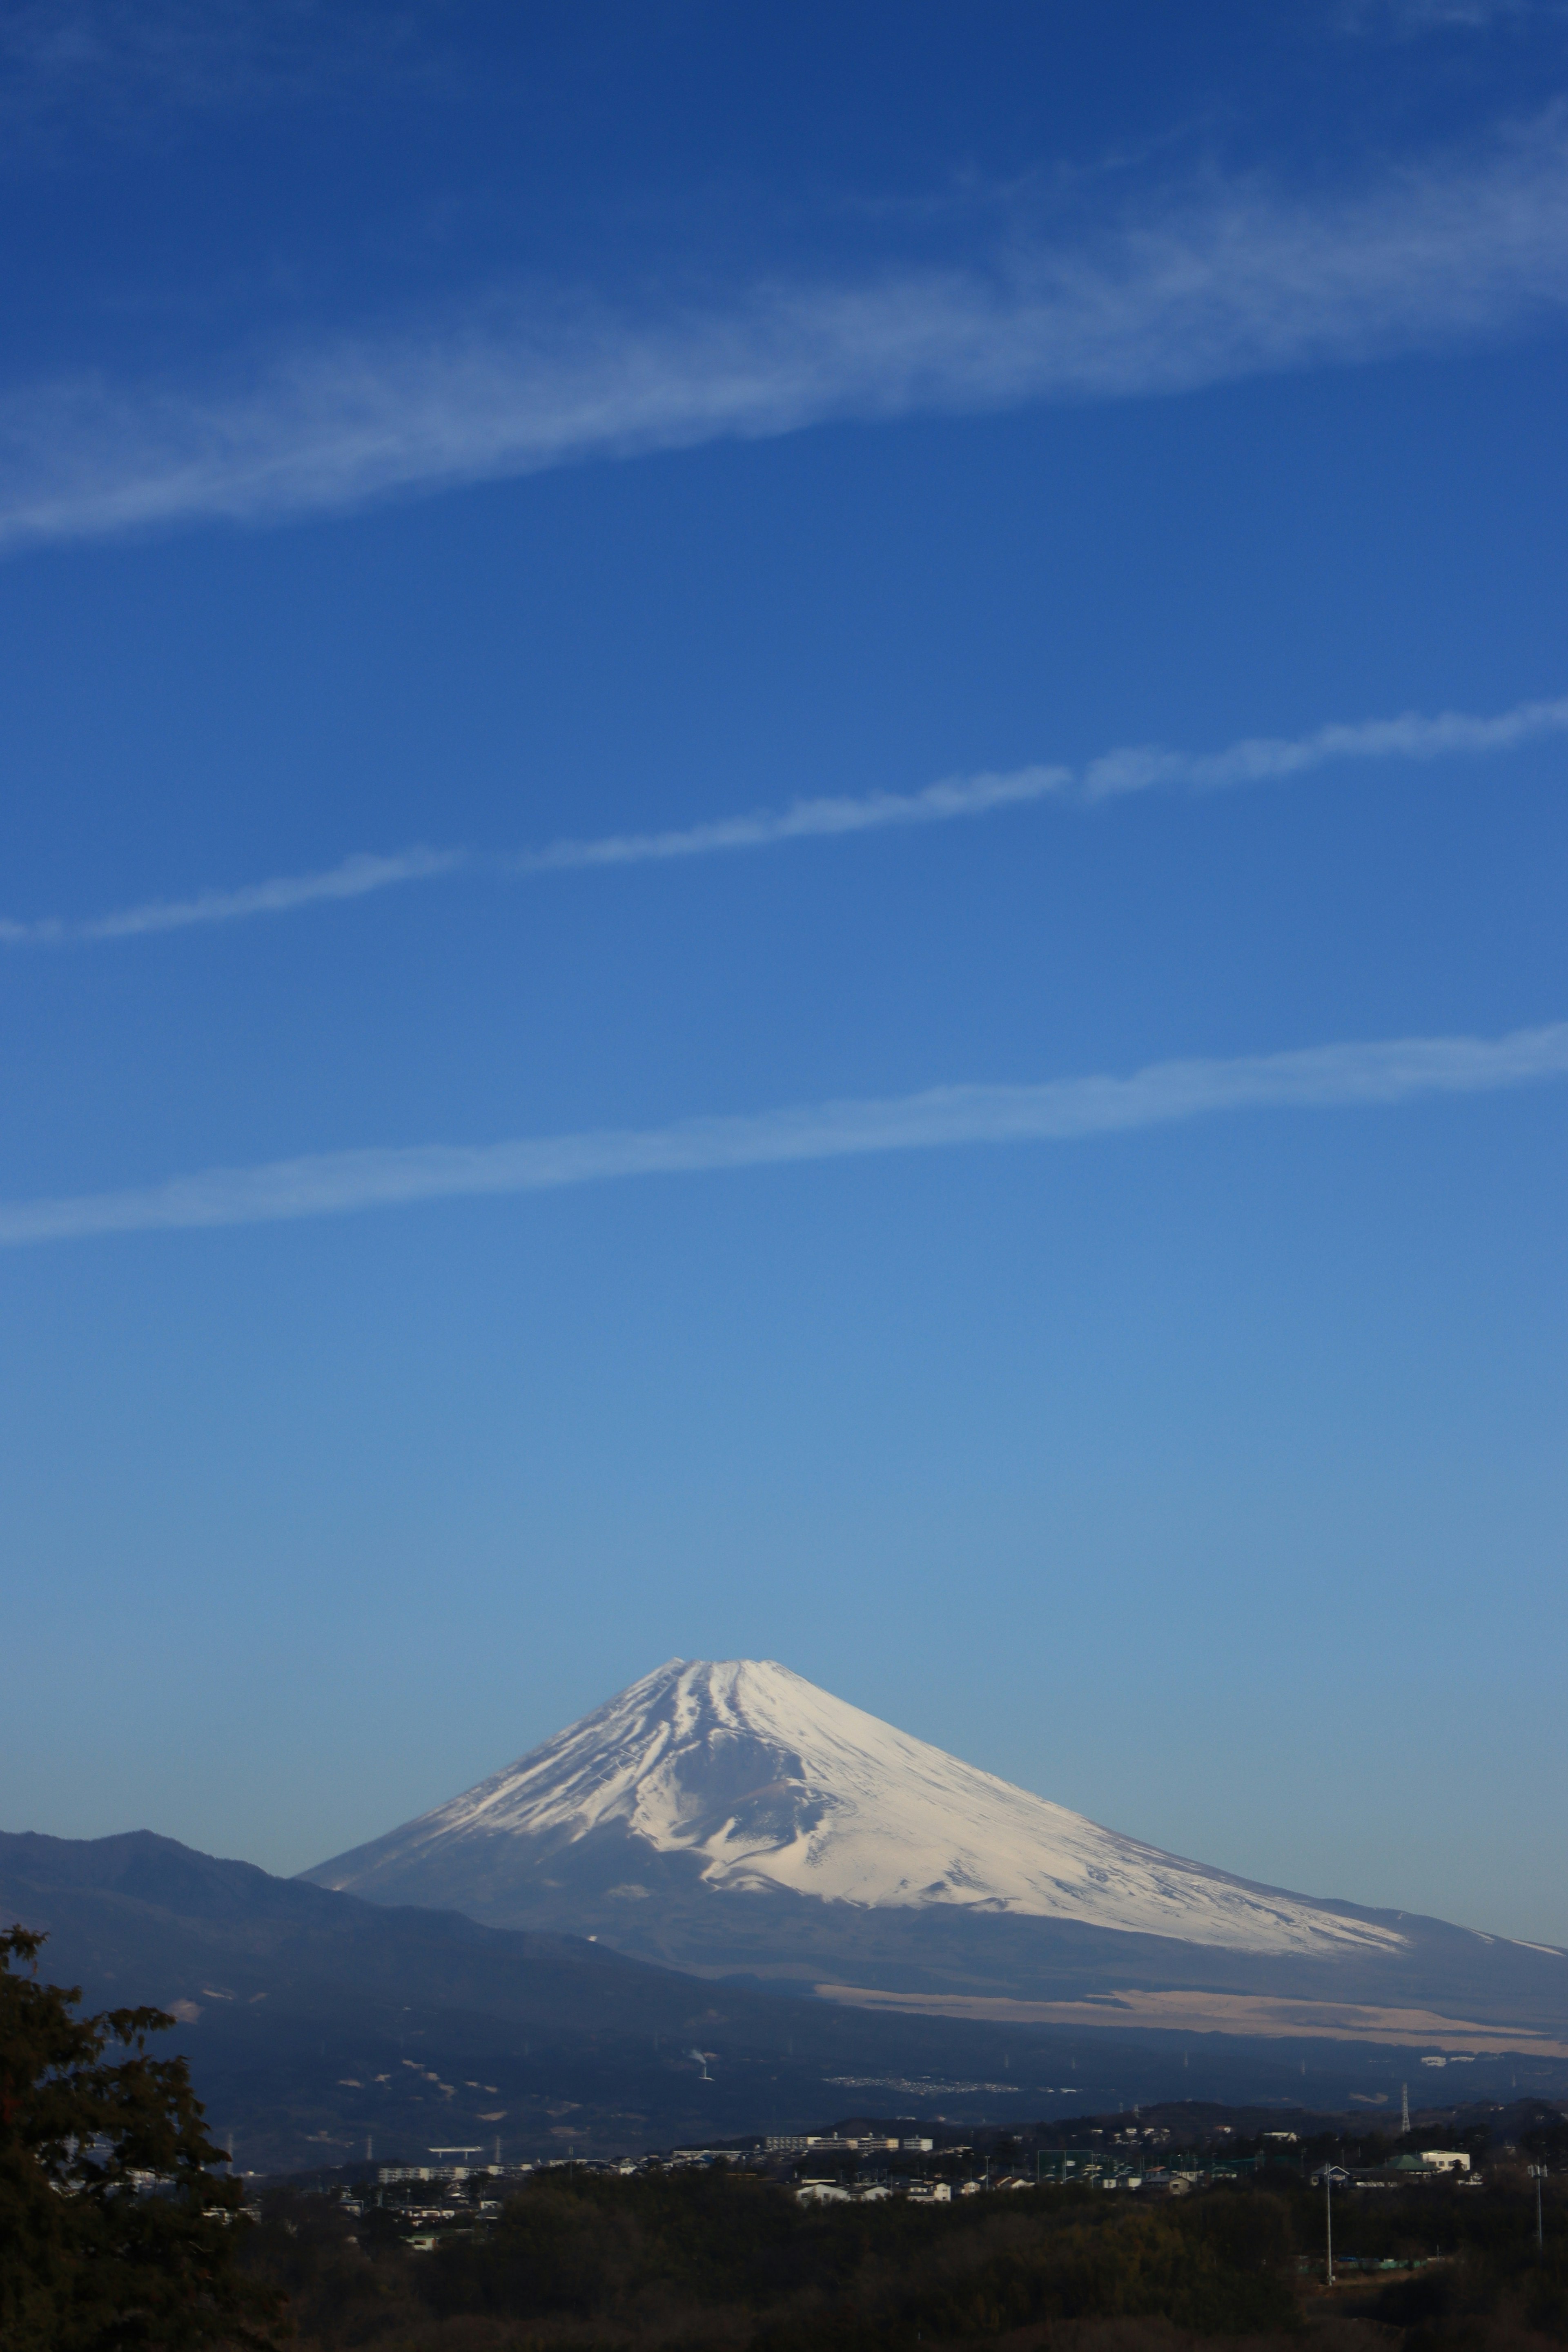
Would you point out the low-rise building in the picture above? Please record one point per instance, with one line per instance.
(833, 2144)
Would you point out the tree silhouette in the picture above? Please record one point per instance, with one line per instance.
(116, 2230)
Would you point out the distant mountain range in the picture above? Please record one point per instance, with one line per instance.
(727, 1903)
(321, 2027)
(732, 1817)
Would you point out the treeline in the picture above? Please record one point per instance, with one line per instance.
(720, 2260)
(707, 2242)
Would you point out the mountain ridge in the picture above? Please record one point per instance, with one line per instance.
(320, 2027)
(728, 1816)
(777, 1784)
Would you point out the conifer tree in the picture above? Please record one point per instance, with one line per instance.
(116, 2229)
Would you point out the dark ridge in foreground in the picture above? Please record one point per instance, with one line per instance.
(319, 2026)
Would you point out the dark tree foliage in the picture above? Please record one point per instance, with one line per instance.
(115, 2229)
(726, 2262)
(586, 2249)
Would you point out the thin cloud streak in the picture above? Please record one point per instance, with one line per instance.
(955, 796)
(1136, 768)
(1266, 759)
(356, 878)
(128, 64)
(1062, 1111)
(1233, 282)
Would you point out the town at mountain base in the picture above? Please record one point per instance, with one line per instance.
(731, 1819)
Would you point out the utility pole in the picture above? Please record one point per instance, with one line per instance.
(1329, 2216)
(1538, 2174)
(1404, 2110)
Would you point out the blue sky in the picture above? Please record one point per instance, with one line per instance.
(782, 857)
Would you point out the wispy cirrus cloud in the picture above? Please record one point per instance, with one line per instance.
(1136, 768)
(1406, 19)
(1230, 282)
(803, 820)
(356, 877)
(1270, 759)
(128, 62)
(1062, 1111)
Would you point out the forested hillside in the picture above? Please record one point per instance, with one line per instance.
(720, 2260)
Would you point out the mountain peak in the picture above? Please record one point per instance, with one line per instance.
(761, 1781)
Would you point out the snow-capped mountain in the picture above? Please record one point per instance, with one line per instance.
(769, 1783)
(734, 1820)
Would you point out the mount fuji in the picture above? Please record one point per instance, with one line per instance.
(734, 1820)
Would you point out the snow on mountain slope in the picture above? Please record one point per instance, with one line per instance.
(772, 1782)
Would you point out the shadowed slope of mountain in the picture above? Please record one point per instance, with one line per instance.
(728, 1817)
(318, 2025)
(316, 2022)
(110, 1904)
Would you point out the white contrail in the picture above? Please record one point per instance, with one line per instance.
(1062, 1111)
(1263, 759)
(1136, 768)
(1229, 283)
(765, 829)
(354, 878)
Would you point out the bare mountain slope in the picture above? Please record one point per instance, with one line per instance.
(733, 1817)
